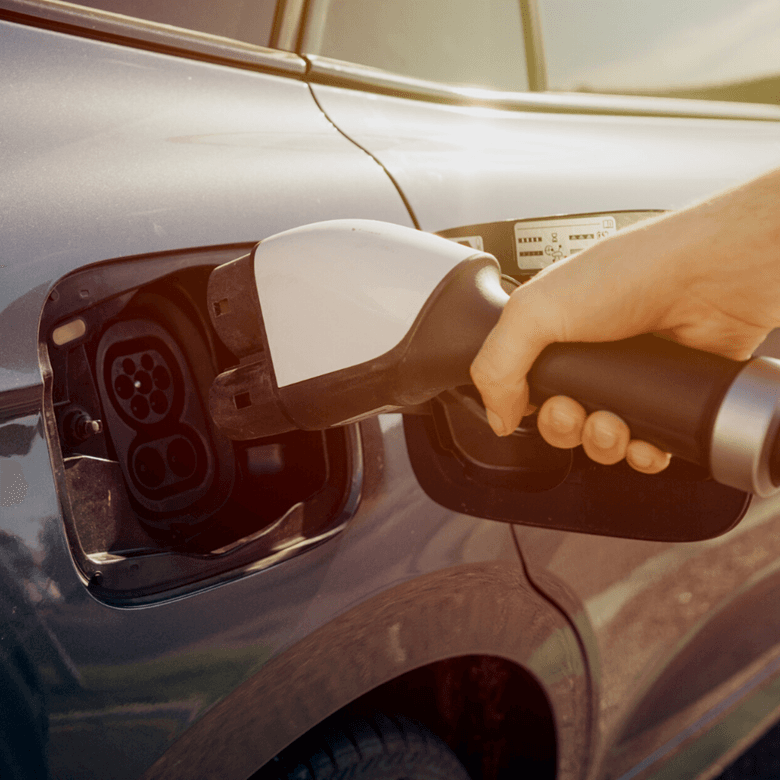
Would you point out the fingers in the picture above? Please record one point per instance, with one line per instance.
(560, 422)
(564, 423)
(605, 438)
(646, 458)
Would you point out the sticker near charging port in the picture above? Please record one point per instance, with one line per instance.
(541, 242)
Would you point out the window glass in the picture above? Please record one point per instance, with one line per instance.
(710, 49)
(244, 20)
(467, 42)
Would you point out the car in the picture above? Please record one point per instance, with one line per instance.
(402, 595)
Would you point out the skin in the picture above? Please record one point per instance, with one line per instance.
(707, 276)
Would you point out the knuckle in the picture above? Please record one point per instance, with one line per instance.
(604, 457)
(486, 371)
(478, 374)
(560, 422)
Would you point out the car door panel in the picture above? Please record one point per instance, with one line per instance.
(135, 148)
(357, 633)
(462, 165)
(655, 618)
(120, 153)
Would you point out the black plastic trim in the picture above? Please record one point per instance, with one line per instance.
(137, 580)
(677, 505)
(92, 283)
(20, 401)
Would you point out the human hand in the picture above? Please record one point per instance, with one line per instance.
(673, 275)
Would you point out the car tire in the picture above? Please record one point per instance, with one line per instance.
(379, 748)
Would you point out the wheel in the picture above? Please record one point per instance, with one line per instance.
(375, 749)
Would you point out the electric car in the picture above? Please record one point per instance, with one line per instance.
(403, 595)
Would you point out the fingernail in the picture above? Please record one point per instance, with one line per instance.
(604, 438)
(562, 421)
(496, 423)
(641, 460)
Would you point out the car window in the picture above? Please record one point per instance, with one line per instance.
(467, 42)
(245, 20)
(709, 49)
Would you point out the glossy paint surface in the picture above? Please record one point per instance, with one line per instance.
(460, 166)
(141, 677)
(114, 152)
(678, 635)
(406, 584)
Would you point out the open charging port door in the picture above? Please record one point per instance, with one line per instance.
(520, 479)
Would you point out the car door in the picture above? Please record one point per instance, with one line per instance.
(158, 618)
(142, 157)
(682, 640)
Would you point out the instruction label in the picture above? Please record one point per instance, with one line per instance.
(542, 242)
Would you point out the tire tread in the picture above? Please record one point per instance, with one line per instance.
(374, 748)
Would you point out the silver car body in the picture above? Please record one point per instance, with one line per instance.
(645, 652)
